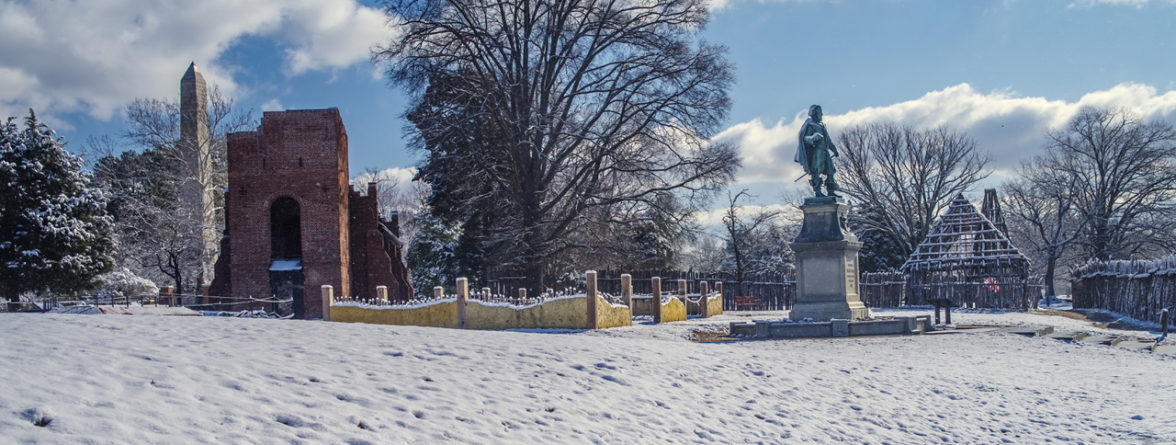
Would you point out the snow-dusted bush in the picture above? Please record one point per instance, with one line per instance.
(123, 283)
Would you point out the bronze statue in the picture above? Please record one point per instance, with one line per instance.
(815, 152)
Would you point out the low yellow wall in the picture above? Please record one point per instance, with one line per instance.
(714, 306)
(442, 315)
(560, 313)
(673, 311)
(567, 313)
(609, 316)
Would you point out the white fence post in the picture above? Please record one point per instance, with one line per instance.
(328, 300)
(463, 295)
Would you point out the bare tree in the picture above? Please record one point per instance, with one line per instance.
(1040, 204)
(909, 175)
(746, 234)
(1123, 176)
(556, 107)
(159, 233)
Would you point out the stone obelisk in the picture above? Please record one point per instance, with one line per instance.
(826, 264)
(197, 192)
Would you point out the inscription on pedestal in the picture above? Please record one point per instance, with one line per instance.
(851, 275)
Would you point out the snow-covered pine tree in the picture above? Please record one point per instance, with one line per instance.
(54, 231)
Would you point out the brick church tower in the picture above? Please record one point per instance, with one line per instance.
(293, 223)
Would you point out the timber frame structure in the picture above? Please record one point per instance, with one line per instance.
(969, 260)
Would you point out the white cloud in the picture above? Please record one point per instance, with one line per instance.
(272, 105)
(1007, 127)
(94, 57)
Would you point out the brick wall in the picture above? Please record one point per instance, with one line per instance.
(300, 154)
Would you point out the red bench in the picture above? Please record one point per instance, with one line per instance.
(746, 303)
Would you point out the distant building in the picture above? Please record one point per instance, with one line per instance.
(293, 223)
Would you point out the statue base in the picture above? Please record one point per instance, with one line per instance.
(826, 264)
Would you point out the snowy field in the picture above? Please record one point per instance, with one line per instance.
(151, 379)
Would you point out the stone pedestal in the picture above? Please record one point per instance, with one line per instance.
(826, 264)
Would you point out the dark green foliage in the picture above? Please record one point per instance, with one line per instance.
(54, 230)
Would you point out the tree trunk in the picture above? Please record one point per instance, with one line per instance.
(1050, 267)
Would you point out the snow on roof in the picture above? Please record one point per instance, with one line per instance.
(963, 237)
(284, 265)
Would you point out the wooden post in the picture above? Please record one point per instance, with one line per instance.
(657, 309)
(702, 300)
(203, 297)
(438, 292)
(485, 294)
(936, 313)
(463, 295)
(682, 287)
(522, 295)
(719, 291)
(171, 296)
(1164, 323)
(590, 287)
(382, 293)
(627, 290)
(328, 300)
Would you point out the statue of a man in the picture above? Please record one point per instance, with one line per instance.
(815, 152)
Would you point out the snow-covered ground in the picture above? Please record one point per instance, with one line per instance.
(119, 379)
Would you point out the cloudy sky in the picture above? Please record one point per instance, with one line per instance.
(1005, 71)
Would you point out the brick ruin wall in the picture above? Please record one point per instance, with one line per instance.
(302, 154)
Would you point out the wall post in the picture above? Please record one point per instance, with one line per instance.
(438, 291)
(590, 286)
(657, 308)
(463, 295)
(702, 299)
(382, 293)
(627, 290)
(328, 300)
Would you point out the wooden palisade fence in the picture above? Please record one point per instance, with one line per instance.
(1140, 289)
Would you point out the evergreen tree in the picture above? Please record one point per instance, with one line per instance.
(430, 256)
(54, 231)
(879, 252)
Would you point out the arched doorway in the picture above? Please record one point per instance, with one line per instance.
(286, 256)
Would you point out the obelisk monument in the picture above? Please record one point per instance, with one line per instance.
(197, 192)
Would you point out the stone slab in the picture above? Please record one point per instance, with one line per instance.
(761, 329)
(1097, 339)
(1068, 335)
(878, 327)
(839, 327)
(1031, 331)
(1135, 345)
(1164, 349)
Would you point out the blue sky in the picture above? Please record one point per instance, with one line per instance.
(1004, 71)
